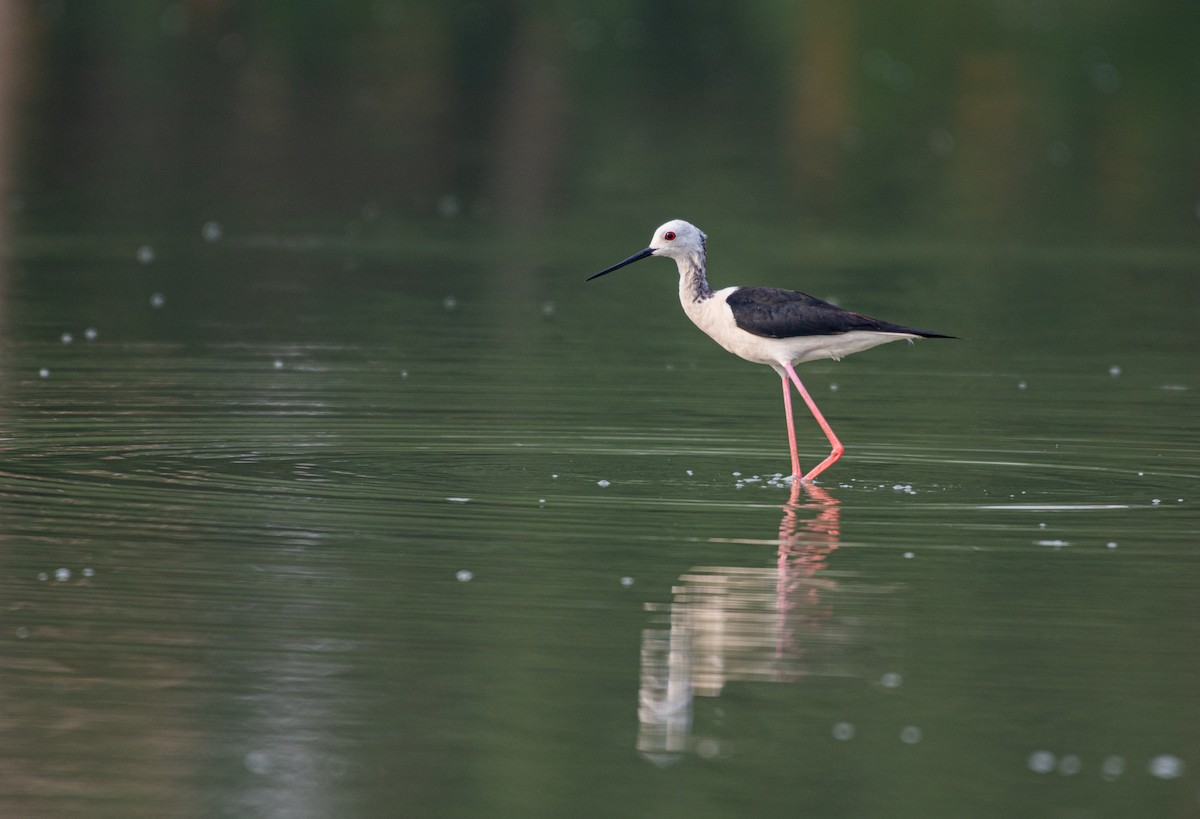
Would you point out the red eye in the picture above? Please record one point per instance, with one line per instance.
(669, 235)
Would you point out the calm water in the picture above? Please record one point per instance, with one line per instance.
(339, 530)
(328, 488)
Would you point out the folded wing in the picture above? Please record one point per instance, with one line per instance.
(776, 313)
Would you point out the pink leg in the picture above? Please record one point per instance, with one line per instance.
(838, 449)
(791, 425)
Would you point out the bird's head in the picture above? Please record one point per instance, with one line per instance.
(676, 239)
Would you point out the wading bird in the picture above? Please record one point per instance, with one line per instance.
(768, 325)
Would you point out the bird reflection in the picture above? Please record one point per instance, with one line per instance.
(804, 549)
(727, 624)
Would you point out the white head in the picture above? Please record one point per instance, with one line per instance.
(676, 239)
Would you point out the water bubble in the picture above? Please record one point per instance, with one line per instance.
(1166, 766)
(602, 483)
(833, 387)
(91, 334)
(459, 500)
(62, 575)
(1041, 762)
(448, 206)
(42, 576)
(44, 372)
(89, 572)
(843, 731)
(891, 680)
(66, 338)
(22, 632)
(157, 300)
(279, 363)
(1112, 767)
(1059, 154)
(1104, 76)
(145, 254)
(212, 231)
(449, 302)
(882, 66)
(548, 308)
(909, 555)
(1112, 544)
(1114, 370)
(689, 472)
(941, 142)
(627, 581)
(1155, 502)
(464, 575)
(257, 762)
(910, 735)
(1021, 385)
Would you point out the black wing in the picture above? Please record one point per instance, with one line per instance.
(775, 313)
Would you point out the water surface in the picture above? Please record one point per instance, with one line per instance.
(342, 533)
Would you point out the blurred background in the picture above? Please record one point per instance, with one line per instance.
(329, 488)
(993, 120)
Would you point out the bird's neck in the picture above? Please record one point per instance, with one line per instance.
(693, 284)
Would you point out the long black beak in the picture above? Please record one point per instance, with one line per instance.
(639, 255)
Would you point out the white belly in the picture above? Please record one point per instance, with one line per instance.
(714, 317)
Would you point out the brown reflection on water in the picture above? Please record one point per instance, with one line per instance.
(741, 624)
(13, 25)
(96, 710)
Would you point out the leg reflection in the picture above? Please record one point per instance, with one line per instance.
(782, 623)
(803, 553)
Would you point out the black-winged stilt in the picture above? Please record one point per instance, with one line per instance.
(767, 325)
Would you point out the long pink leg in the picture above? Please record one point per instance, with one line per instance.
(838, 449)
(791, 425)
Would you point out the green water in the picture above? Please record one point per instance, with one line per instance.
(329, 488)
(334, 546)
